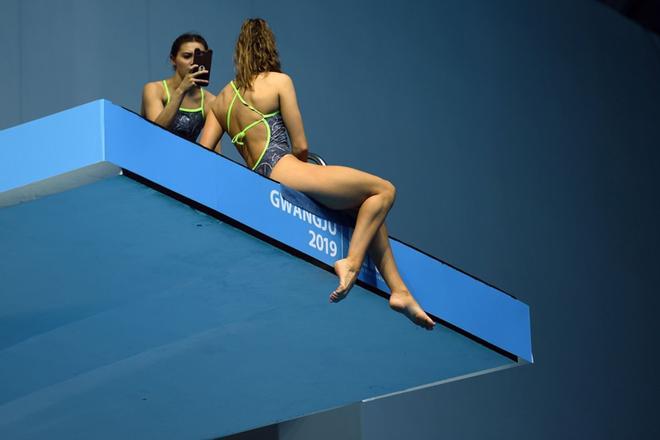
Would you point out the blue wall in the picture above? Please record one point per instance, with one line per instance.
(522, 138)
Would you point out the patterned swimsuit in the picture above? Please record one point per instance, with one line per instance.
(187, 123)
(277, 142)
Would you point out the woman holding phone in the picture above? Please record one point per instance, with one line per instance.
(179, 103)
(257, 110)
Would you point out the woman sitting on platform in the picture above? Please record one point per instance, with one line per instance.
(257, 110)
(179, 103)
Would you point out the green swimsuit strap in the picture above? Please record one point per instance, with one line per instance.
(167, 91)
(231, 105)
(238, 138)
(200, 108)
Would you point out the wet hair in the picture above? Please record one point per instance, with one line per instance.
(186, 38)
(255, 52)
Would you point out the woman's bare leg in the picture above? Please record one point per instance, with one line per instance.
(401, 299)
(370, 217)
(343, 188)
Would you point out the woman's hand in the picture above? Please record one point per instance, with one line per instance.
(190, 80)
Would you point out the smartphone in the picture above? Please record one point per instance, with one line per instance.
(203, 59)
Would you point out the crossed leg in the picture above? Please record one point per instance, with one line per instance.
(401, 300)
(344, 188)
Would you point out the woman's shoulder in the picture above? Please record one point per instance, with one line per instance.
(274, 81)
(223, 96)
(279, 77)
(153, 88)
(153, 91)
(208, 95)
(154, 84)
(225, 90)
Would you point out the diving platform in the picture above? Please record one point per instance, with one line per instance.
(153, 288)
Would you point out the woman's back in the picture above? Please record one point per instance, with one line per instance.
(250, 117)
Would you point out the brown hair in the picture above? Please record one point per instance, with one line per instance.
(188, 37)
(255, 52)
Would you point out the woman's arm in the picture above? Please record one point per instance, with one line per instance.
(152, 103)
(212, 132)
(153, 108)
(292, 118)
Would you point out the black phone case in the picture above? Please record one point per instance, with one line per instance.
(203, 58)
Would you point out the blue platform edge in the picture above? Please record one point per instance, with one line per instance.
(102, 131)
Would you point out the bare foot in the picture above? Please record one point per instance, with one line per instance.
(403, 302)
(347, 274)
